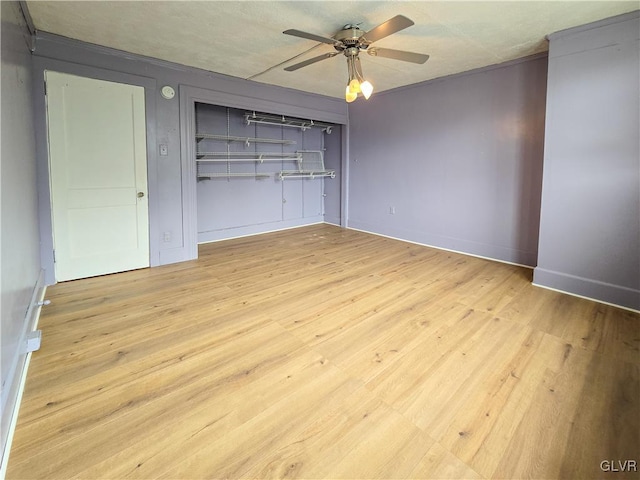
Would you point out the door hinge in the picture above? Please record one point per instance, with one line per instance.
(54, 256)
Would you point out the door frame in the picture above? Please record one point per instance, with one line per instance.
(189, 96)
(42, 153)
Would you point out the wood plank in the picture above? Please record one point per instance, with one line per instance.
(320, 352)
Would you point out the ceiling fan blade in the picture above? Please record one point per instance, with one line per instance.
(398, 55)
(397, 23)
(310, 36)
(324, 56)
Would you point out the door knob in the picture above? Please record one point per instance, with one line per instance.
(140, 194)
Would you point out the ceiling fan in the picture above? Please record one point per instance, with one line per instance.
(350, 41)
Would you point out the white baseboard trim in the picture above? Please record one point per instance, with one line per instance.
(261, 232)
(585, 298)
(591, 289)
(14, 419)
(19, 374)
(441, 248)
(332, 220)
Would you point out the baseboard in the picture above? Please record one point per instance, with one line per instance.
(18, 373)
(247, 231)
(173, 255)
(607, 293)
(461, 252)
(488, 251)
(332, 220)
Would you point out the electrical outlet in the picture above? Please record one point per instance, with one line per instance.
(166, 237)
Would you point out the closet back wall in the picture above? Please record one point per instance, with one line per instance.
(454, 163)
(235, 206)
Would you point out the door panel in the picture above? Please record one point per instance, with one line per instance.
(98, 174)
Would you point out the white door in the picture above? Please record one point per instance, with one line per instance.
(98, 175)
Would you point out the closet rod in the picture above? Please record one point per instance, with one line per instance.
(247, 140)
(282, 121)
(258, 160)
(245, 156)
(284, 175)
(224, 175)
(303, 126)
(262, 154)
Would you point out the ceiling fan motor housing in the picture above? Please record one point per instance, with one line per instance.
(348, 37)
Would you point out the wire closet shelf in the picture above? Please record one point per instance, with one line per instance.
(282, 121)
(310, 163)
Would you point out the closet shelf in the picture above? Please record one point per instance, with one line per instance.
(245, 140)
(282, 121)
(310, 165)
(230, 174)
(306, 174)
(245, 157)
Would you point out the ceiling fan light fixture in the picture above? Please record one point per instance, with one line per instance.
(350, 41)
(357, 84)
(350, 96)
(366, 88)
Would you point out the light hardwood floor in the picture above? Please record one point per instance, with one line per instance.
(320, 352)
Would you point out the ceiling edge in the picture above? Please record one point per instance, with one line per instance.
(486, 68)
(60, 40)
(597, 24)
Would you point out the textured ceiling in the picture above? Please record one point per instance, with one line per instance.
(244, 39)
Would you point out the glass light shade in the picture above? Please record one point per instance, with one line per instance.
(354, 86)
(367, 89)
(350, 96)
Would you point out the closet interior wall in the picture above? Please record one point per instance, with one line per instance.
(247, 201)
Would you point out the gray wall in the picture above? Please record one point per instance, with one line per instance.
(333, 160)
(20, 257)
(590, 220)
(459, 161)
(172, 187)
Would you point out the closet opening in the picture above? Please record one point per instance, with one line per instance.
(259, 172)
